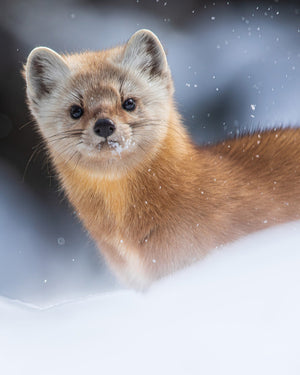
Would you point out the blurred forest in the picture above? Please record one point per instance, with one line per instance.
(235, 66)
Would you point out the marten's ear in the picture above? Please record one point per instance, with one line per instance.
(144, 51)
(44, 71)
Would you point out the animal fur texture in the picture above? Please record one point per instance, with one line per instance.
(152, 200)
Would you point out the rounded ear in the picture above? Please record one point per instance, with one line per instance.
(144, 51)
(45, 69)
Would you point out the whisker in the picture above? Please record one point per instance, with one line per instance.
(34, 153)
(27, 123)
(42, 145)
(60, 137)
(76, 164)
(66, 149)
(46, 161)
(67, 132)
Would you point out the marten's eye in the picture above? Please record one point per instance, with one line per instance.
(76, 112)
(129, 104)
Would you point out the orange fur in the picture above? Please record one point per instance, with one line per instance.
(188, 200)
(154, 211)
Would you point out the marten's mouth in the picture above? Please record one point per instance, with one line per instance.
(114, 146)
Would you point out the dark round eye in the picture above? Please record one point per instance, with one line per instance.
(129, 104)
(76, 112)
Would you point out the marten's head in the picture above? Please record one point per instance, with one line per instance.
(105, 111)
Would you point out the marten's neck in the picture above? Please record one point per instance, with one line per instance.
(99, 197)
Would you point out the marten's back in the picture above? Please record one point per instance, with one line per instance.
(257, 178)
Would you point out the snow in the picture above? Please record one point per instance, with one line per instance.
(117, 148)
(236, 312)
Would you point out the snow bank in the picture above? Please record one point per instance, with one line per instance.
(236, 312)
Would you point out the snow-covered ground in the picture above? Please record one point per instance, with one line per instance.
(237, 312)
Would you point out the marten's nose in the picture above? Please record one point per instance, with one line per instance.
(104, 127)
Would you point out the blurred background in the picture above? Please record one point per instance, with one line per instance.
(235, 66)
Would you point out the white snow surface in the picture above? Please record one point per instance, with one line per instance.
(236, 312)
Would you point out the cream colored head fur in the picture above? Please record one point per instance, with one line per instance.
(99, 83)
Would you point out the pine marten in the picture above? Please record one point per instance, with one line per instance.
(153, 201)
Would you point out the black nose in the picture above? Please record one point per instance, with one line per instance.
(104, 127)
